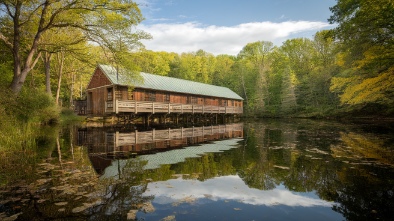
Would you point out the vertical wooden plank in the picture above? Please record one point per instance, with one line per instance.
(136, 136)
(116, 138)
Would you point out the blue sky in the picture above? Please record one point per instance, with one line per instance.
(226, 26)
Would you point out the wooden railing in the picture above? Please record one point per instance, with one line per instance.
(122, 106)
(137, 137)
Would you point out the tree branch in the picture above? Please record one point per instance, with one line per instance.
(6, 41)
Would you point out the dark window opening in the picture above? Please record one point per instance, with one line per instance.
(167, 97)
(150, 96)
(109, 94)
(130, 94)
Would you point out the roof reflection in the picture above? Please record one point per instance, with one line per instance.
(158, 147)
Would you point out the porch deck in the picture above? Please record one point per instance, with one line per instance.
(122, 106)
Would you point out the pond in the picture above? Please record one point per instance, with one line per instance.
(261, 170)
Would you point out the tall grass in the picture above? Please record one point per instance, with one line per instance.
(20, 119)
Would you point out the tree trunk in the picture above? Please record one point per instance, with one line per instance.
(47, 64)
(71, 90)
(20, 74)
(60, 58)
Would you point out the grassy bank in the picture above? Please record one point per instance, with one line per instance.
(21, 117)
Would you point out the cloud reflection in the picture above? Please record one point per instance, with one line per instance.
(229, 188)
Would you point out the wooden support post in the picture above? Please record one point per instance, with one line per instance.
(114, 101)
(147, 120)
(136, 137)
(135, 107)
(116, 138)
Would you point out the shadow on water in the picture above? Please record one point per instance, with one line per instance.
(278, 169)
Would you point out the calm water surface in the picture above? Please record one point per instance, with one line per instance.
(265, 170)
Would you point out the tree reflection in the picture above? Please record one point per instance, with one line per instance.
(67, 187)
(366, 186)
(354, 170)
(123, 193)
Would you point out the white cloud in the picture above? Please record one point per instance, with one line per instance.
(192, 36)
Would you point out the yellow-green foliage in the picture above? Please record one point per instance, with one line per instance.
(20, 115)
(358, 90)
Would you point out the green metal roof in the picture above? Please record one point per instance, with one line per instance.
(163, 83)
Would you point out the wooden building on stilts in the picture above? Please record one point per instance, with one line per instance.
(156, 98)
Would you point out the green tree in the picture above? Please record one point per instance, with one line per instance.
(365, 31)
(154, 62)
(224, 74)
(312, 64)
(196, 66)
(23, 23)
(365, 28)
(256, 55)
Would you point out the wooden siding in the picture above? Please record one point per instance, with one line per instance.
(97, 101)
(98, 79)
(160, 96)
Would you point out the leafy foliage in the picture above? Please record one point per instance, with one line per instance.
(365, 30)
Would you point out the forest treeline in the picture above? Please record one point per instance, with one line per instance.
(50, 48)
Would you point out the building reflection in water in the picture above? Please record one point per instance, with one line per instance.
(106, 144)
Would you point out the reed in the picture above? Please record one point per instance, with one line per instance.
(20, 120)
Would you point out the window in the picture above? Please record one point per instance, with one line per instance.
(118, 94)
(130, 94)
(222, 102)
(150, 96)
(109, 94)
(167, 97)
(192, 100)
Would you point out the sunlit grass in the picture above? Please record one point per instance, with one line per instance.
(20, 119)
